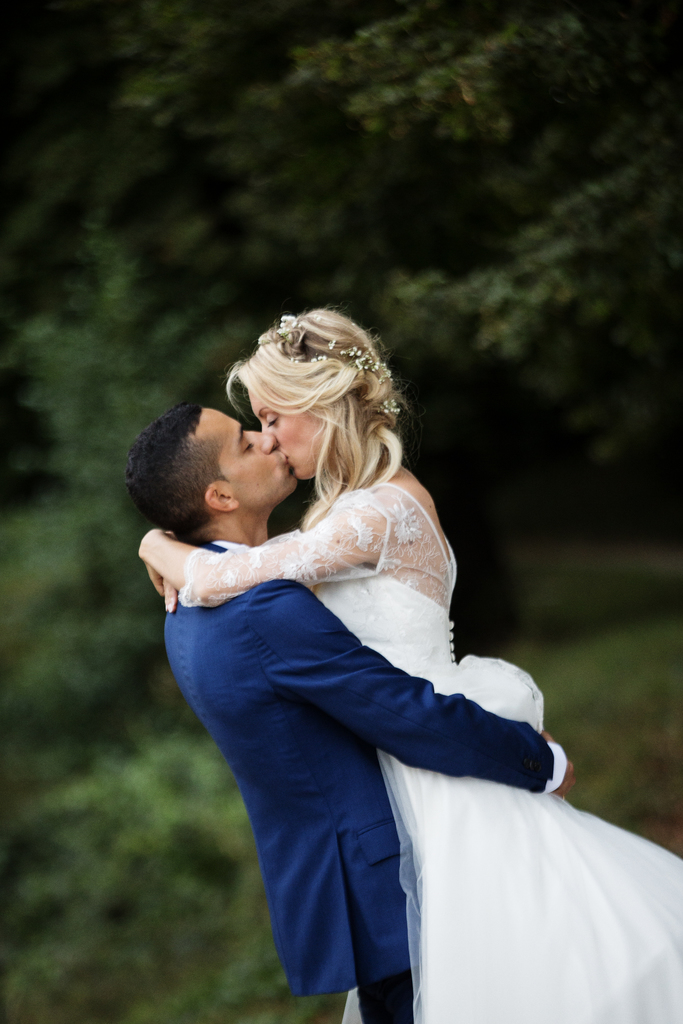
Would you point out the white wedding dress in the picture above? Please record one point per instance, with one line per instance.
(520, 908)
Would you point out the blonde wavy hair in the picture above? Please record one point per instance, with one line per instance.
(323, 363)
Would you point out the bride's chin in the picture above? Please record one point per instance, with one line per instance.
(302, 474)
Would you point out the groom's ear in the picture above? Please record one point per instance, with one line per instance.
(219, 497)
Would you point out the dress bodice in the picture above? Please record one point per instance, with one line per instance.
(414, 634)
(410, 630)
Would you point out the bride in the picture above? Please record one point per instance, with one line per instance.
(520, 908)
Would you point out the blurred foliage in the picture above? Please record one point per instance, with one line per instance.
(615, 696)
(494, 186)
(573, 121)
(127, 891)
(80, 623)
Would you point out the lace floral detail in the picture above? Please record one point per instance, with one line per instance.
(363, 533)
(379, 531)
(406, 524)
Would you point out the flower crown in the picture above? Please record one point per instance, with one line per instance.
(361, 360)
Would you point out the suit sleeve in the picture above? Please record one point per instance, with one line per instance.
(309, 655)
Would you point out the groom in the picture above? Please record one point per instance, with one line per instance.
(298, 707)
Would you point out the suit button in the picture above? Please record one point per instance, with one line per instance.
(533, 766)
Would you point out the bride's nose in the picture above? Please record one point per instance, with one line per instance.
(268, 442)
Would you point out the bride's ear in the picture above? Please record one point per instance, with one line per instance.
(218, 496)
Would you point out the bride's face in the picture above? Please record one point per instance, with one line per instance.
(297, 436)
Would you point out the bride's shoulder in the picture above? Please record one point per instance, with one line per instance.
(363, 498)
(406, 486)
(405, 483)
(388, 495)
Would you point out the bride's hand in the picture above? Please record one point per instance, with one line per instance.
(157, 580)
(170, 597)
(161, 585)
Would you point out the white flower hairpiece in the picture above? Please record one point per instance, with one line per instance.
(362, 361)
(287, 322)
(390, 406)
(366, 361)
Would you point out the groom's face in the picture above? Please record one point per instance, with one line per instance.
(258, 477)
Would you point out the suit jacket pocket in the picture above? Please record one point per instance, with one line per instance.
(379, 841)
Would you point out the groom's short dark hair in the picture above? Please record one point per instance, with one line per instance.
(168, 471)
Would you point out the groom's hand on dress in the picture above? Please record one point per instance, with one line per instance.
(569, 776)
(567, 783)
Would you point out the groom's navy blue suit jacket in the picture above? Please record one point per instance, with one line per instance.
(297, 706)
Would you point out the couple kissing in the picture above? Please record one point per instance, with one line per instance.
(405, 807)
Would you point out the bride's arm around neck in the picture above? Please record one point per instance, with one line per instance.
(347, 544)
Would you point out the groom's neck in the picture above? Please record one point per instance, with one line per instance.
(250, 530)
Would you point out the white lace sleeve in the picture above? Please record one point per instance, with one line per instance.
(348, 543)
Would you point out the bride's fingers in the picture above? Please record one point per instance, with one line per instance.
(170, 597)
(156, 578)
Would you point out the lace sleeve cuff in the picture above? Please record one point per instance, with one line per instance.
(185, 595)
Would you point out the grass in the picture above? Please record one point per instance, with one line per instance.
(603, 637)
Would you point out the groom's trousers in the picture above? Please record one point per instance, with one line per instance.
(389, 1001)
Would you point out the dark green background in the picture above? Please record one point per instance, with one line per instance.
(496, 188)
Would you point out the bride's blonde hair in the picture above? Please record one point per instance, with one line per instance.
(323, 363)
